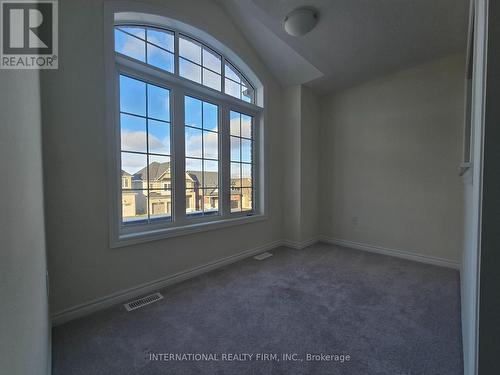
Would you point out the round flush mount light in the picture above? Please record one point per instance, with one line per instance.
(300, 21)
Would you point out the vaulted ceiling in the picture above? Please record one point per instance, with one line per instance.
(355, 40)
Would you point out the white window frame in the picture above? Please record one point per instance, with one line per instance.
(116, 64)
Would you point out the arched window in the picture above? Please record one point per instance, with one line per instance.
(188, 134)
(196, 61)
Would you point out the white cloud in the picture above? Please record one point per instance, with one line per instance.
(190, 50)
(157, 145)
(193, 143)
(235, 126)
(136, 141)
(134, 47)
(211, 145)
(246, 127)
(133, 141)
(190, 71)
(132, 163)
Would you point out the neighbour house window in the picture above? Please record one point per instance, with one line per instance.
(188, 129)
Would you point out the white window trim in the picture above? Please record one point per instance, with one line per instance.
(115, 65)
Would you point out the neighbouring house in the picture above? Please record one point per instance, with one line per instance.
(141, 199)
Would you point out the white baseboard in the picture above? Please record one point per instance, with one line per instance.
(81, 310)
(299, 245)
(392, 252)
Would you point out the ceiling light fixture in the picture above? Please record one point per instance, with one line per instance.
(300, 21)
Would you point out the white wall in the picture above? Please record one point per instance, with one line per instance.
(301, 137)
(83, 267)
(24, 333)
(310, 160)
(292, 168)
(390, 151)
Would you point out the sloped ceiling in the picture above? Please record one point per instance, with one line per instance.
(355, 40)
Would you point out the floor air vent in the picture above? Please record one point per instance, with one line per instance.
(263, 256)
(138, 303)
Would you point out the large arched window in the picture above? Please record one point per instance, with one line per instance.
(188, 135)
(196, 61)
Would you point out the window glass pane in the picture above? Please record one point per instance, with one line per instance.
(210, 173)
(235, 123)
(194, 192)
(159, 137)
(134, 164)
(192, 112)
(132, 96)
(210, 201)
(232, 73)
(247, 95)
(235, 149)
(194, 168)
(246, 199)
(193, 142)
(210, 116)
(246, 126)
(211, 79)
(246, 175)
(163, 39)
(189, 70)
(160, 204)
(236, 202)
(211, 60)
(133, 133)
(160, 58)
(190, 49)
(134, 30)
(241, 163)
(246, 92)
(192, 202)
(210, 145)
(246, 150)
(130, 46)
(190, 183)
(126, 180)
(202, 175)
(232, 88)
(159, 172)
(235, 174)
(134, 206)
(158, 103)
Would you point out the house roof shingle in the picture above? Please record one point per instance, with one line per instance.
(157, 170)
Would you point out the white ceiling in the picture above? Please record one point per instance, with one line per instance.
(355, 40)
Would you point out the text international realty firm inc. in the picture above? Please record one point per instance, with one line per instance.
(246, 357)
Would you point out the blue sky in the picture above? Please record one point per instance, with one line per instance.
(136, 48)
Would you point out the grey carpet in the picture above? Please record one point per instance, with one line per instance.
(390, 315)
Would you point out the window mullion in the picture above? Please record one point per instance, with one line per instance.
(257, 151)
(176, 53)
(223, 74)
(179, 170)
(225, 161)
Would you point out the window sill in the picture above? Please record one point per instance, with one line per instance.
(159, 234)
